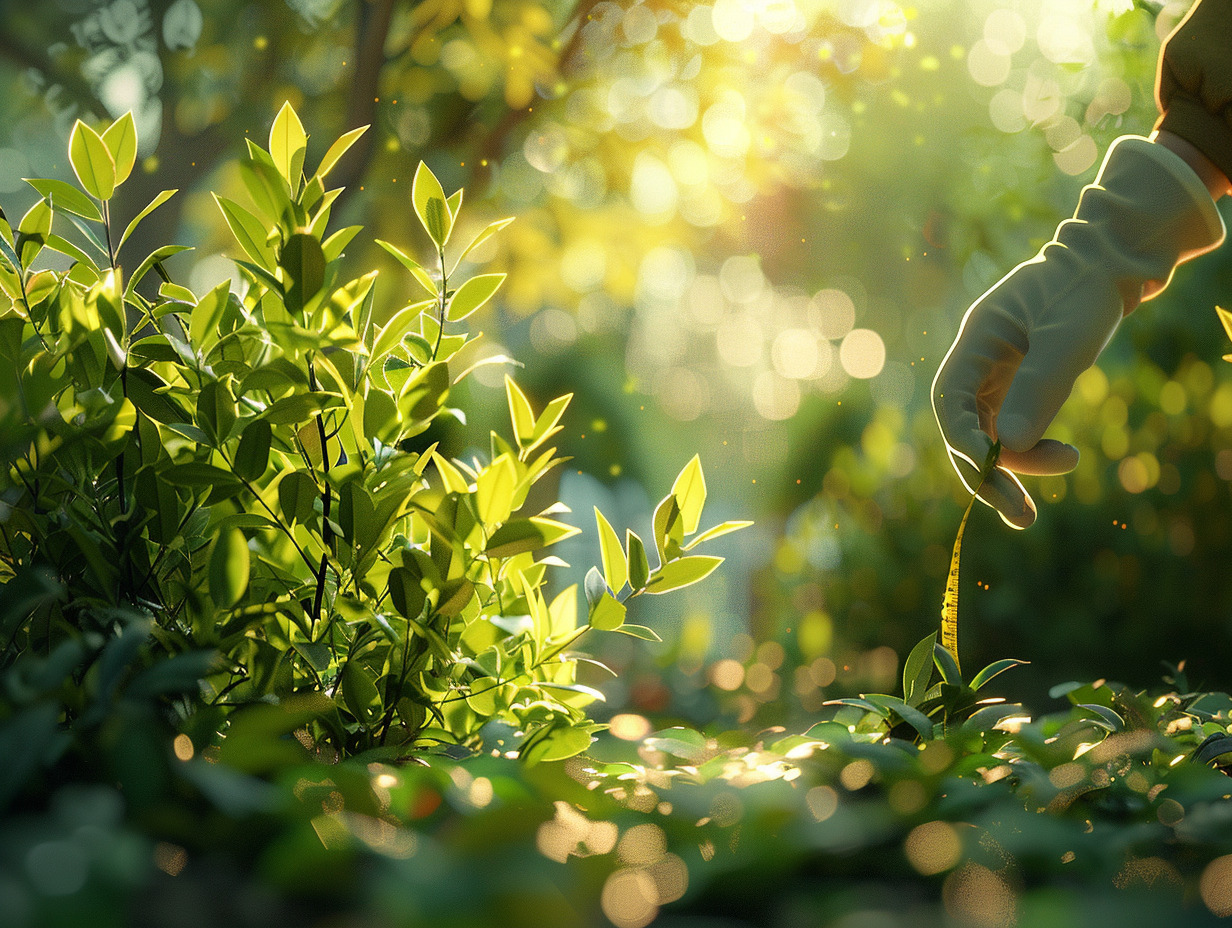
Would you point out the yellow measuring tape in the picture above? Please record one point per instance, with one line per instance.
(949, 603)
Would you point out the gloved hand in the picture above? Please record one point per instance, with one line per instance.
(1022, 344)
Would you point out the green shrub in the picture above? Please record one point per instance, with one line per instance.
(227, 499)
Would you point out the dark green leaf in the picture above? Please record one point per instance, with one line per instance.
(303, 262)
(946, 665)
(639, 564)
(360, 693)
(668, 528)
(918, 670)
(296, 494)
(143, 387)
(1211, 749)
(1112, 718)
(909, 714)
(594, 586)
(994, 669)
(179, 674)
(252, 454)
(228, 568)
(300, 407)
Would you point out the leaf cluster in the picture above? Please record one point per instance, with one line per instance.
(246, 470)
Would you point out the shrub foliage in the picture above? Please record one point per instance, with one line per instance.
(230, 497)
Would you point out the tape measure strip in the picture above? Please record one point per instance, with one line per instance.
(949, 602)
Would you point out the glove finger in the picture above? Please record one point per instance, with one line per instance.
(1002, 490)
(1048, 458)
(1004, 493)
(1041, 386)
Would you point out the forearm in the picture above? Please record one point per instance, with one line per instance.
(1193, 89)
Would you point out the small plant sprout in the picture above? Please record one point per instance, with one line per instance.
(950, 701)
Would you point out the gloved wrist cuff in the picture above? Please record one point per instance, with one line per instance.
(1210, 133)
(1206, 229)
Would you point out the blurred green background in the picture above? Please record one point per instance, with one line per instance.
(749, 230)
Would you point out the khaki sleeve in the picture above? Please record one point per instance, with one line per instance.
(1194, 82)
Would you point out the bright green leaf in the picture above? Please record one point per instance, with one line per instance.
(668, 528)
(422, 277)
(393, 332)
(153, 205)
(473, 294)
(37, 220)
(426, 191)
(288, 143)
(682, 572)
(521, 535)
(333, 246)
(65, 247)
(482, 237)
(608, 614)
(639, 631)
(338, 149)
(205, 316)
(522, 416)
(717, 532)
(91, 161)
(248, 230)
(451, 477)
(66, 197)
(560, 744)
(685, 743)
(615, 567)
(155, 257)
(690, 492)
(121, 140)
(494, 490)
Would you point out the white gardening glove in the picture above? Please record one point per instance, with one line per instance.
(1024, 342)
